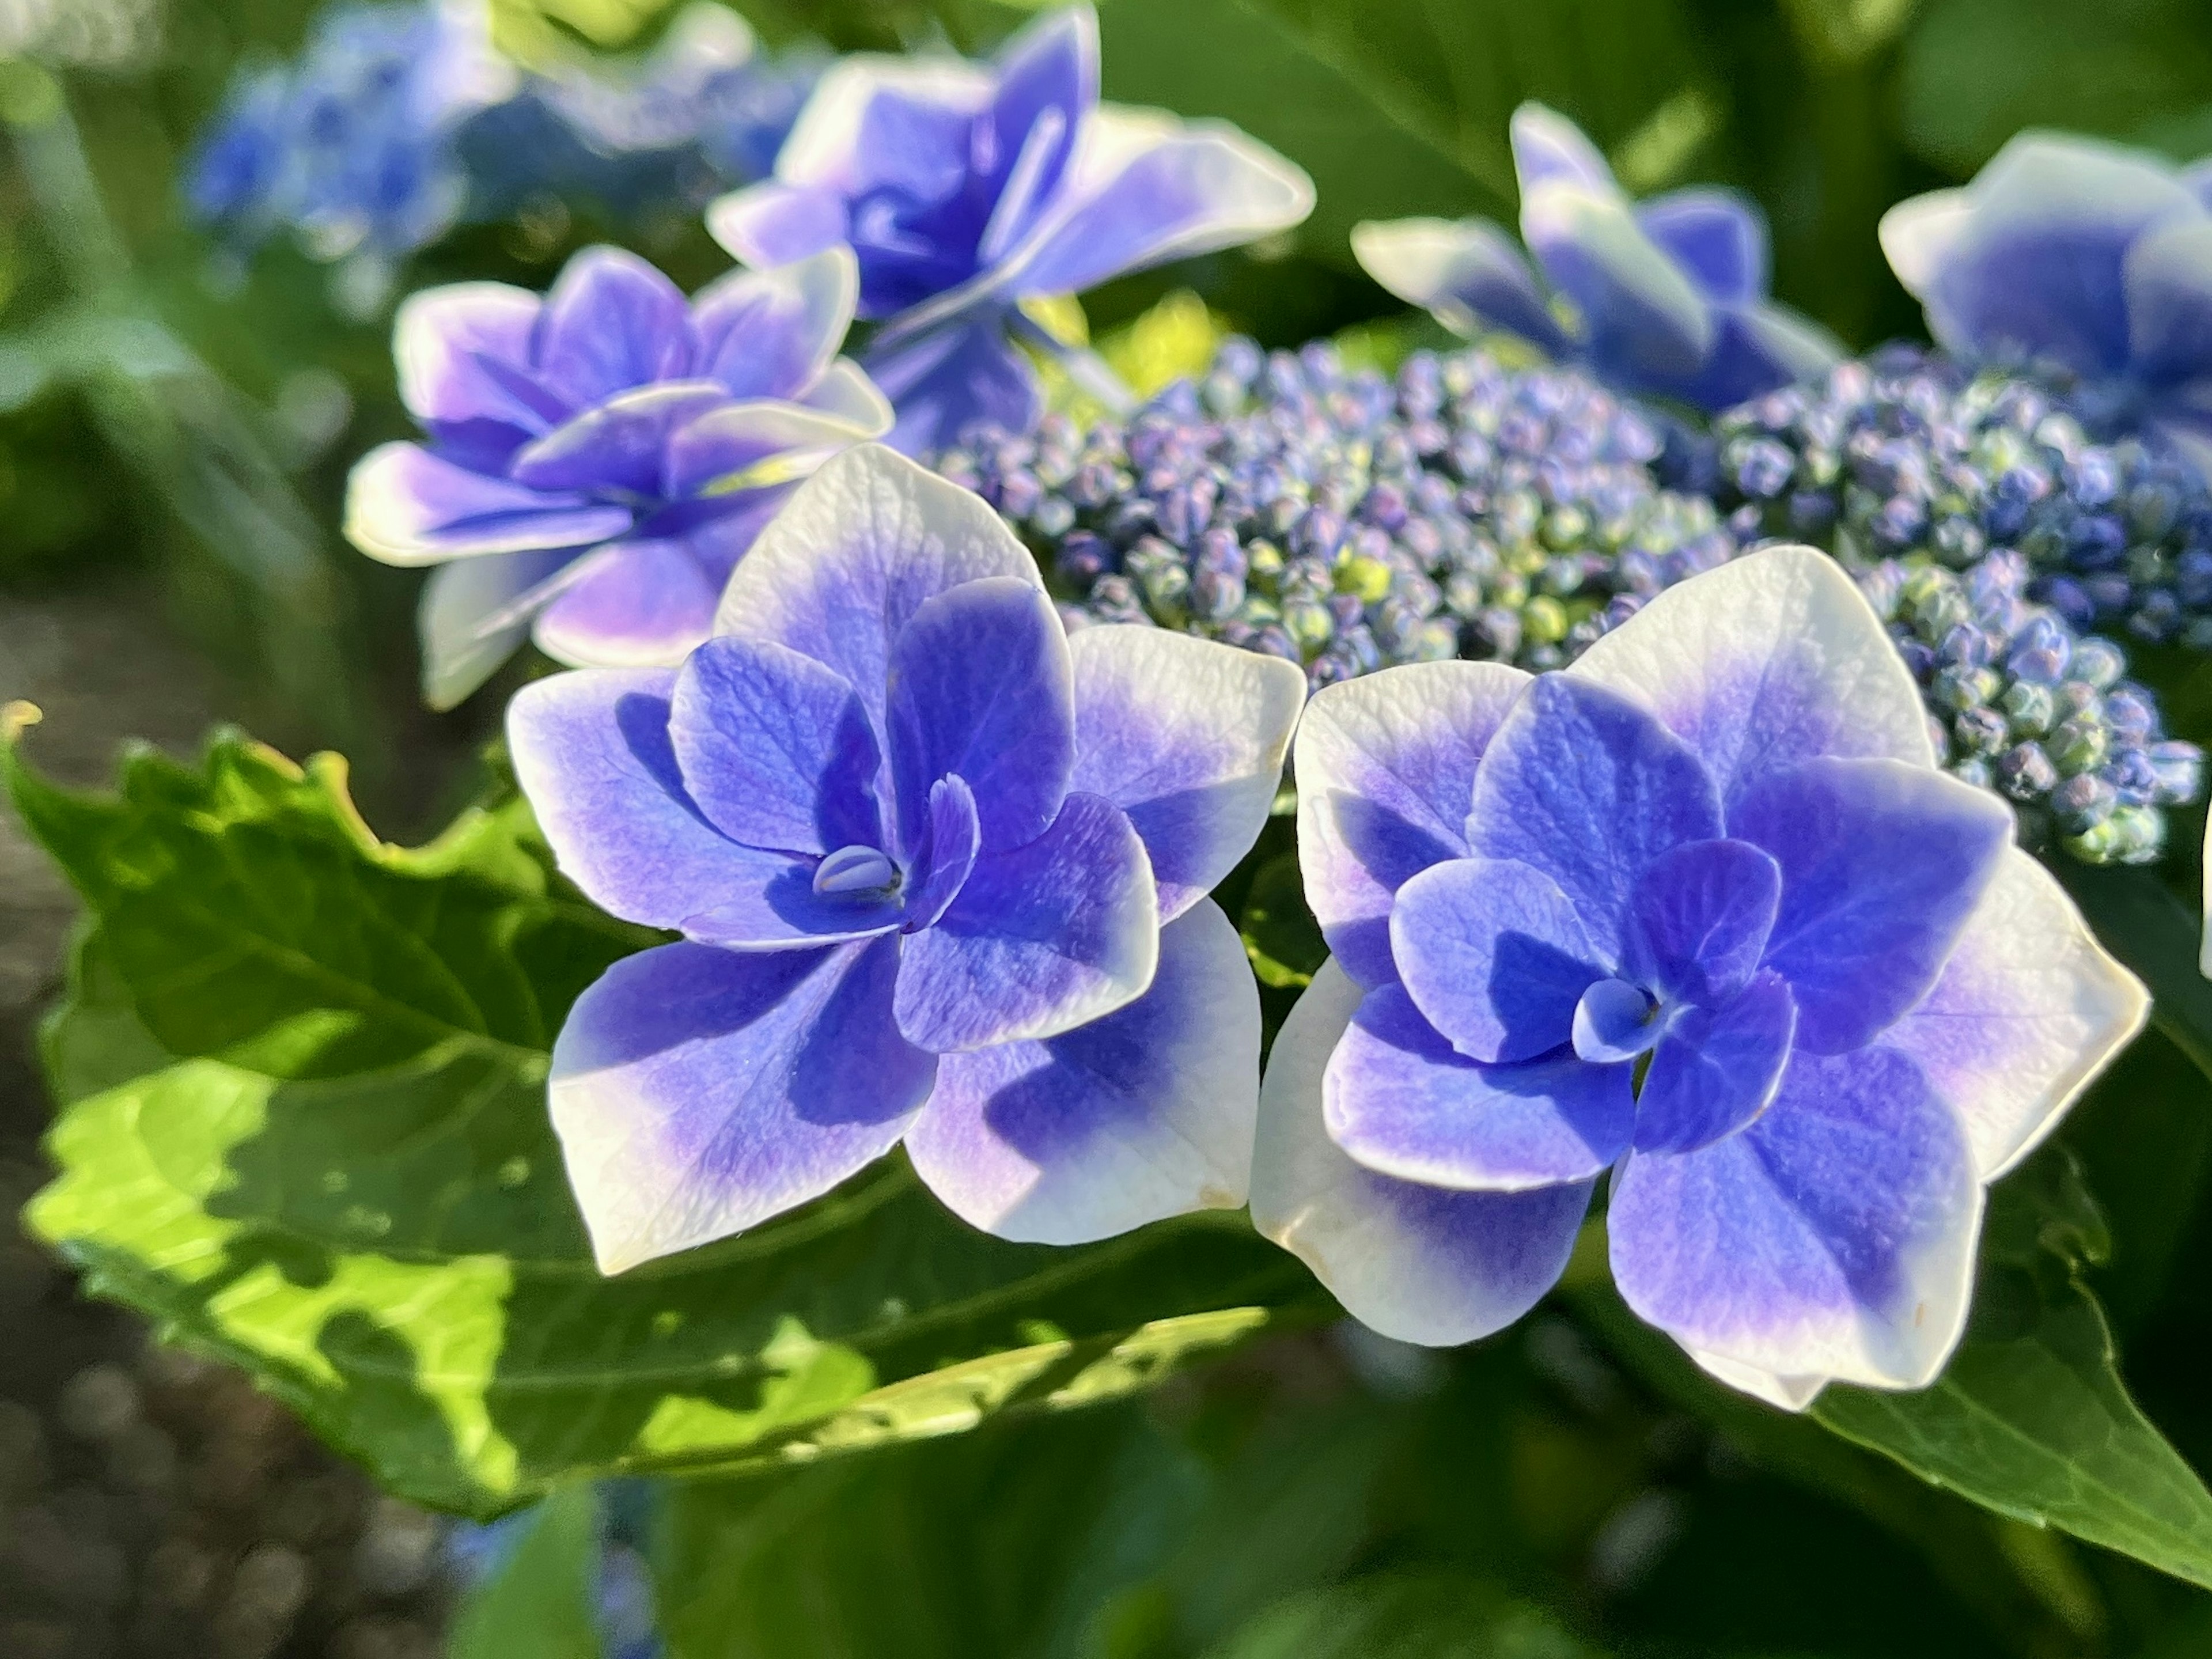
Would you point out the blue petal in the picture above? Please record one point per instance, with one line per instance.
(771, 224)
(1699, 921)
(1048, 87)
(1717, 236)
(859, 548)
(981, 686)
(2169, 275)
(951, 378)
(612, 322)
(463, 353)
(1716, 1070)
(1588, 788)
(1187, 737)
(1756, 350)
(591, 751)
(1833, 1238)
(1549, 149)
(697, 1092)
(1041, 939)
(1468, 271)
(1493, 956)
(1615, 1021)
(1641, 319)
(776, 749)
(1401, 1101)
(1144, 1113)
(465, 636)
(408, 504)
(1386, 766)
(1418, 1263)
(948, 854)
(619, 445)
(643, 603)
(773, 333)
(1882, 865)
(777, 908)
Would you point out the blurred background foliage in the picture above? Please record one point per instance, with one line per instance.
(163, 431)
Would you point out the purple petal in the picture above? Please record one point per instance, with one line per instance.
(775, 748)
(2030, 1007)
(1642, 318)
(612, 322)
(465, 636)
(1768, 660)
(773, 333)
(1144, 1113)
(1717, 236)
(1549, 149)
(948, 854)
(771, 224)
(698, 1092)
(1493, 956)
(1048, 88)
(1882, 864)
(1468, 271)
(1146, 188)
(1717, 1069)
(620, 444)
(1698, 923)
(1386, 768)
(1833, 1238)
(643, 604)
(741, 447)
(2039, 267)
(1588, 787)
(2168, 277)
(1401, 1101)
(858, 549)
(1418, 1263)
(463, 353)
(407, 506)
(981, 687)
(949, 378)
(591, 751)
(1756, 350)
(1041, 939)
(1187, 738)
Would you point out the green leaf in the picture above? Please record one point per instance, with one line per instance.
(1400, 106)
(305, 1129)
(2139, 920)
(541, 1602)
(1280, 934)
(1403, 1617)
(2030, 1418)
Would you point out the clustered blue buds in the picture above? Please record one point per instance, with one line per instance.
(1347, 520)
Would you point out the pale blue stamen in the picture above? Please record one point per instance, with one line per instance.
(1616, 1021)
(854, 870)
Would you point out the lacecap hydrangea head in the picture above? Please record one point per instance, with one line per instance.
(941, 876)
(964, 189)
(2081, 255)
(595, 462)
(1699, 911)
(1666, 299)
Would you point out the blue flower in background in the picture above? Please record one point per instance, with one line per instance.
(964, 189)
(1700, 910)
(598, 460)
(352, 147)
(1666, 299)
(2079, 255)
(941, 873)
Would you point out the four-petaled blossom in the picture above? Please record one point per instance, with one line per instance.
(964, 189)
(941, 873)
(1700, 910)
(598, 460)
(1666, 299)
(2081, 254)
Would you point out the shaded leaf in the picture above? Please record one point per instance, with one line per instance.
(540, 1601)
(1280, 934)
(307, 1132)
(1403, 1617)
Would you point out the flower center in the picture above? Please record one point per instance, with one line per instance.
(1616, 1021)
(853, 870)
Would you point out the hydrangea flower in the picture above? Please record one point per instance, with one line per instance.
(352, 147)
(598, 460)
(1699, 910)
(941, 873)
(2082, 255)
(964, 189)
(1667, 299)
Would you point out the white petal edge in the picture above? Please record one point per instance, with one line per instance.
(1918, 234)
(820, 140)
(1789, 1394)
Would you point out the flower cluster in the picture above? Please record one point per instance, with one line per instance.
(1699, 914)
(1667, 299)
(1345, 520)
(1905, 455)
(964, 189)
(2081, 256)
